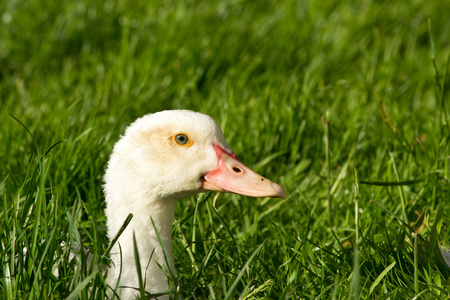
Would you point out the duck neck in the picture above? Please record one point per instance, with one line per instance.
(151, 216)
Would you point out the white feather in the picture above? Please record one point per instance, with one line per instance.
(146, 176)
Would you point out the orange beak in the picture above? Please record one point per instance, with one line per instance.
(232, 176)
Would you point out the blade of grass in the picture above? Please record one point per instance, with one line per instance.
(137, 262)
(326, 140)
(355, 283)
(81, 287)
(173, 279)
(416, 265)
(380, 277)
(231, 290)
(116, 237)
(397, 177)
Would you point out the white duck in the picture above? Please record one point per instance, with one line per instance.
(162, 158)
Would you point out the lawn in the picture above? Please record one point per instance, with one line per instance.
(344, 104)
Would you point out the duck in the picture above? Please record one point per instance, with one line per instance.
(164, 157)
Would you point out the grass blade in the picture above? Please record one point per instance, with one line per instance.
(230, 292)
(380, 277)
(138, 268)
(81, 287)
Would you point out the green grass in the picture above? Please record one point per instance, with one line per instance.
(345, 105)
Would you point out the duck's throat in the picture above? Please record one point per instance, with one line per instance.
(147, 239)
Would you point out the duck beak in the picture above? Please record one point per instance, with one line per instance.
(234, 177)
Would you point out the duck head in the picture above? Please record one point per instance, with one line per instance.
(175, 154)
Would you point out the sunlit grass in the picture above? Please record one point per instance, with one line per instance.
(345, 105)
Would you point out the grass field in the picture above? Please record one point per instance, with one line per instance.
(345, 105)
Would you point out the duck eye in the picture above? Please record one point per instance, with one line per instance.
(182, 140)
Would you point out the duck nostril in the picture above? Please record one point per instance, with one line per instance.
(237, 170)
